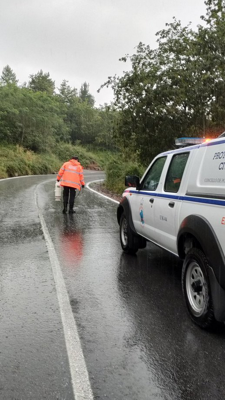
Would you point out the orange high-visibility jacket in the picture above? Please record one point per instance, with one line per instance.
(71, 174)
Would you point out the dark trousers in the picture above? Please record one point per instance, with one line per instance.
(69, 194)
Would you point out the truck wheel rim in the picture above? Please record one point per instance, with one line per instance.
(124, 237)
(196, 288)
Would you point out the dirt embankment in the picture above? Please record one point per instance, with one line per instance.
(93, 166)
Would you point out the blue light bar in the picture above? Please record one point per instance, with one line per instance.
(186, 141)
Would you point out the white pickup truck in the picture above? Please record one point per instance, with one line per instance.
(179, 204)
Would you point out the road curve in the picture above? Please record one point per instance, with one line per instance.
(80, 319)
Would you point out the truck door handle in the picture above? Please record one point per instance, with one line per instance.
(171, 204)
(151, 201)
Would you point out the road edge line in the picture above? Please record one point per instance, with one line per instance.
(100, 194)
(79, 373)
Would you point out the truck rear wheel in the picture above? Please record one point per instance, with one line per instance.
(196, 288)
(127, 238)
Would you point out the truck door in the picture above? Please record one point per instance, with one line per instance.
(167, 205)
(147, 198)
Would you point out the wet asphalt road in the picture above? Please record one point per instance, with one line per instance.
(137, 340)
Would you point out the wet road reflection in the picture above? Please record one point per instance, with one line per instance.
(136, 336)
(33, 359)
(71, 244)
(137, 339)
(182, 358)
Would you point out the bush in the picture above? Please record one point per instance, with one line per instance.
(17, 168)
(45, 164)
(116, 171)
(65, 151)
(17, 161)
(3, 173)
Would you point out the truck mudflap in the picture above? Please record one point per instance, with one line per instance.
(218, 296)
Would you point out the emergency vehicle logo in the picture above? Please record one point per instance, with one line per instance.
(141, 213)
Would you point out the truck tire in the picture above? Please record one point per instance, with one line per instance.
(196, 288)
(129, 242)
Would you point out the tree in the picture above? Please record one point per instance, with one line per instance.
(105, 118)
(211, 42)
(8, 76)
(37, 120)
(66, 93)
(42, 83)
(80, 119)
(33, 120)
(175, 90)
(85, 95)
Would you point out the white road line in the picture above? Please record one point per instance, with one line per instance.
(79, 374)
(17, 177)
(100, 194)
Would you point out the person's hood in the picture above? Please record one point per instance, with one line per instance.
(74, 162)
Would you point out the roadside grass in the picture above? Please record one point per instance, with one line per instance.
(116, 170)
(17, 161)
(64, 151)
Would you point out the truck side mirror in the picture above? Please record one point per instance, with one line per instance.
(132, 181)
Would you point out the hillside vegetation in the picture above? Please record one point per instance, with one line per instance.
(172, 91)
(17, 161)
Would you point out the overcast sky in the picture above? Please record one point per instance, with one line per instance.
(82, 40)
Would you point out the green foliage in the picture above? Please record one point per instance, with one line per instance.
(37, 118)
(89, 126)
(65, 152)
(16, 167)
(42, 83)
(174, 90)
(17, 161)
(31, 119)
(104, 123)
(177, 89)
(103, 157)
(3, 173)
(85, 95)
(8, 76)
(66, 93)
(116, 171)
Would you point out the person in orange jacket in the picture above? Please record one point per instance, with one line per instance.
(71, 178)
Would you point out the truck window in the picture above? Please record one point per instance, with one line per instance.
(152, 177)
(175, 172)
